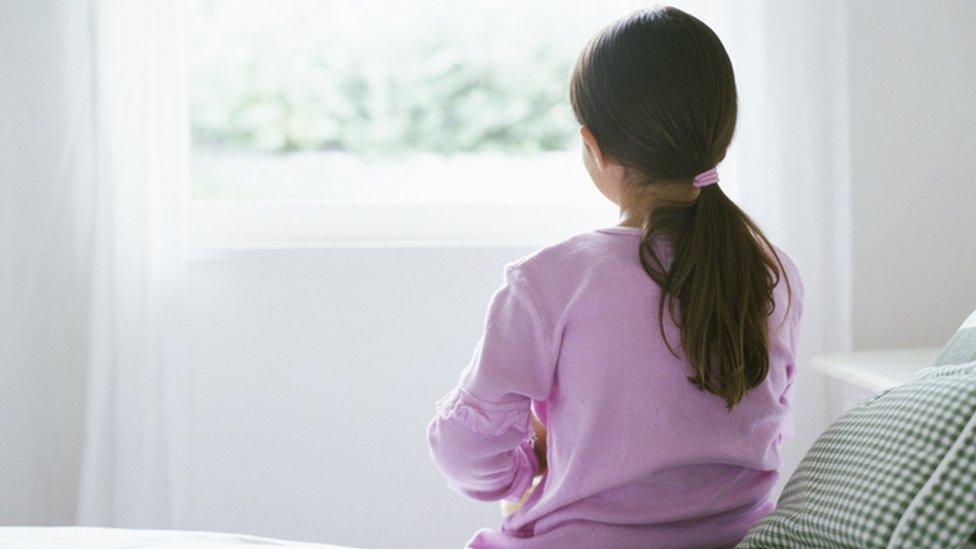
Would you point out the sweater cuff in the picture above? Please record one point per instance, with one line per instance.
(483, 417)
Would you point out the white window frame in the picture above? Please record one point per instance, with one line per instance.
(277, 222)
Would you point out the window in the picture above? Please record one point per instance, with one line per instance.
(388, 120)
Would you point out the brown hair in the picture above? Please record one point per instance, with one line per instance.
(657, 91)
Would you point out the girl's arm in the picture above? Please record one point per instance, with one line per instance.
(481, 436)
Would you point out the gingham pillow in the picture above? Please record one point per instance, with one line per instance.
(898, 470)
(962, 346)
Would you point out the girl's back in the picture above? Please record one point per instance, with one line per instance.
(637, 455)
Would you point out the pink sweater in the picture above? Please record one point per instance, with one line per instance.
(638, 456)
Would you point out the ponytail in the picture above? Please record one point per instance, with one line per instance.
(718, 289)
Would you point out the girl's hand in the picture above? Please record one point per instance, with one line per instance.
(540, 444)
(540, 453)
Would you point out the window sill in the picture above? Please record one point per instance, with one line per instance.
(309, 225)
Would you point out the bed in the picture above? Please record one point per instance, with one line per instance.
(74, 537)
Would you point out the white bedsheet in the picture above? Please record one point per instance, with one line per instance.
(72, 537)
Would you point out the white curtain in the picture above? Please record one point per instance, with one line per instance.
(134, 443)
(788, 165)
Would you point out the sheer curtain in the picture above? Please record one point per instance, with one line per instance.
(133, 450)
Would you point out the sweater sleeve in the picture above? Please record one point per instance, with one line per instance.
(795, 320)
(480, 436)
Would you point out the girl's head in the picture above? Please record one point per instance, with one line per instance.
(657, 92)
(656, 96)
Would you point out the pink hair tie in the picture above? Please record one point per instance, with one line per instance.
(709, 177)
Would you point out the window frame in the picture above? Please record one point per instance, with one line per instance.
(248, 222)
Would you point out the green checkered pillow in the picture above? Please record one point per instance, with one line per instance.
(962, 346)
(898, 470)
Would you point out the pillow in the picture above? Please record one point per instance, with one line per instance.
(962, 346)
(897, 470)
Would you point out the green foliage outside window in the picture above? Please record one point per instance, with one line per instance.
(291, 76)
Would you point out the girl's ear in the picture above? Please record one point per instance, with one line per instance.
(590, 141)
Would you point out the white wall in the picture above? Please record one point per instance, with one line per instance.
(42, 322)
(913, 143)
(314, 374)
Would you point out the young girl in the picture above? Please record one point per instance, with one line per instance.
(657, 355)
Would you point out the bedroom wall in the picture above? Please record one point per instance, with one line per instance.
(315, 372)
(913, 133)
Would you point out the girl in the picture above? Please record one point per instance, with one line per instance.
(657, 355)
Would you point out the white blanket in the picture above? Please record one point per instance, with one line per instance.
(71, 537)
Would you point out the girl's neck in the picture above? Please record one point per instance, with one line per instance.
(638, 201)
